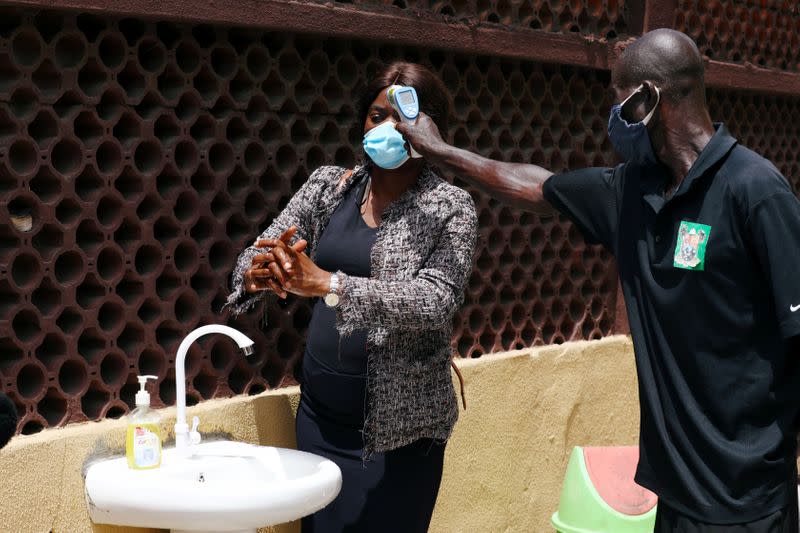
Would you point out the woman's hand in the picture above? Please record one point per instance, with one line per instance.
(298, 273)
(265, 274)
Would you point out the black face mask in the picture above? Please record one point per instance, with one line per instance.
(632, 141)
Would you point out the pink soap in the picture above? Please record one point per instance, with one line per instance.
(611, 471)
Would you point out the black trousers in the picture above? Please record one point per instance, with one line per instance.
(394, 492)
(671, 521)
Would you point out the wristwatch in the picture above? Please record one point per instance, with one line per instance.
(332, 298)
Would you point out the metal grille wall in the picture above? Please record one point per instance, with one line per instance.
(138, 158)
(763, 33)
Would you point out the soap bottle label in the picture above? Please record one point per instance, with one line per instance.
(146, 447)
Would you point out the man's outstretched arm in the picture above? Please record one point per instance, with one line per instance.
(516, 184)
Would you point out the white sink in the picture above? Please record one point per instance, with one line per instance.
(222, 486)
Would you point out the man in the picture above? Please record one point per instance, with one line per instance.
(707, 237)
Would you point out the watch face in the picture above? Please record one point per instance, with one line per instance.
(331, 299)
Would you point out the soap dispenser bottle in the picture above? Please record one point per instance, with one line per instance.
(143, 442)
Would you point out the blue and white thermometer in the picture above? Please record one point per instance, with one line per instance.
(405, 101)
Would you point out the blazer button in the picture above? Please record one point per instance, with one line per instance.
(658, 238)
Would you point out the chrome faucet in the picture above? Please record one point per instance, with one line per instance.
(182, 435)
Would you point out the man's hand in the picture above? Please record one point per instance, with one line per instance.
(424, 136)
(298, 273)
(265, 273)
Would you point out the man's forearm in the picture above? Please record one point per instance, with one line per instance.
(516, 184)
(512, 183)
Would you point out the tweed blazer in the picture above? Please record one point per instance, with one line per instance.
(420, 263)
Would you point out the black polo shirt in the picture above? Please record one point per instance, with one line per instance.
(711, 279)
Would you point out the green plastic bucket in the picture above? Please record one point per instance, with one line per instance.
(583, 510)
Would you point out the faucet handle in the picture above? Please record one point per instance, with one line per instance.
(194, 435)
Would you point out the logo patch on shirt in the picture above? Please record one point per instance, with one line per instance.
(690, 252)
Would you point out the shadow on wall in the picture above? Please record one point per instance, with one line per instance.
(275, 420)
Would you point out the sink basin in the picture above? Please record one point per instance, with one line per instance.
(222, 486)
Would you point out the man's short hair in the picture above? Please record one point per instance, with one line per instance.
(668, 58)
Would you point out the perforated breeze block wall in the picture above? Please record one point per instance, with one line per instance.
(138, 158)
(762, 33)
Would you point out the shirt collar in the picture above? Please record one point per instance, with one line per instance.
(716, 149)
(653, 178)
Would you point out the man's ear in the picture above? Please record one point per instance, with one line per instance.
(651, 98)
(651, 93)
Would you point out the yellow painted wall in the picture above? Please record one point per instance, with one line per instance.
(503, 466)
(525, 412)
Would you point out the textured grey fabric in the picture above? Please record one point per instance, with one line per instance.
(420, 264)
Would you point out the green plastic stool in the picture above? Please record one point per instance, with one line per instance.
(600, 496)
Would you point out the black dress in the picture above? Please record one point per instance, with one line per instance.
(393, 491)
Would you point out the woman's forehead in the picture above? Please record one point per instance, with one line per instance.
(382, 99)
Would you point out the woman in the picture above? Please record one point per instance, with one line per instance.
(391, 247)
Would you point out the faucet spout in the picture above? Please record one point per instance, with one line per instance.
(181, 427)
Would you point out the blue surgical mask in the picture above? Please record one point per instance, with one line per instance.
(385, 146)
(632, 141)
